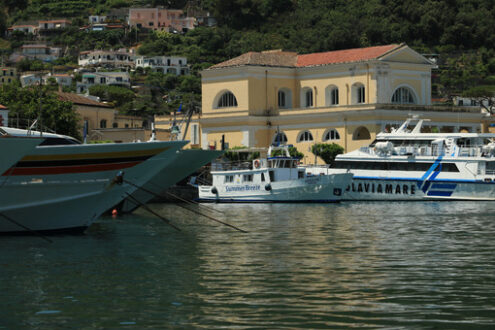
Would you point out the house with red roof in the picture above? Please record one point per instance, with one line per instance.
(343, 96)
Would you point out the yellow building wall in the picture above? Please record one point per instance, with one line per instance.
(258, 114)
(211, 92)
(94, 115)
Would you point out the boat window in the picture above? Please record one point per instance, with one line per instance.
(229, 178)
(394, 166)
(272, 176)
(262, 177)
(247, 178)
(55, 141)
(300, 174)
(403, 143)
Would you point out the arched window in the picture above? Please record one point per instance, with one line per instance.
(284, 98)
(306, 97)
(361, 133)
(279, 138)
(331, 134)
(403, 95)
(305, 136)
(358, 94)
(103, 123)
(227, 100)
(331, 96)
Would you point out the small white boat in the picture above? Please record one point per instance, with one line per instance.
(410, 164)
(66, 187)
(273, 179)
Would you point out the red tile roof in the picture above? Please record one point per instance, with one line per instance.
(266, 58)
(78, 99)
(288, 59)
(344, 56)
(56, 21)
(2, 107)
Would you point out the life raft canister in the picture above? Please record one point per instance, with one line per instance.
(257, 163)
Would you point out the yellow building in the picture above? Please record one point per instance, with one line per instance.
(7, 74)
(105, 124)
(344, 97)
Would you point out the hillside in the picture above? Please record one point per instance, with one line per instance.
(460, 32)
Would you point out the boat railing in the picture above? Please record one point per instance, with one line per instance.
(426, 151)
(232, 166)
(470, 151)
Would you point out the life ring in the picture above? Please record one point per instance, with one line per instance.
(257, 163)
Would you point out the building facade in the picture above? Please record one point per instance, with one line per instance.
(7, 74)
(33, 29)
(106, 58)
(160, 19)
(89, 79)
(104, 123)
(4, 116)
(41, 52)
(344, 97)
(164, 64)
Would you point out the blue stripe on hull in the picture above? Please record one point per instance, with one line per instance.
(440, 193)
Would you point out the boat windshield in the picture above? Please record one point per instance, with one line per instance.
(282, 163)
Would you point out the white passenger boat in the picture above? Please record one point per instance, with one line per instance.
(66, 187)
(408, 164)
(273, 179)
(12, 149)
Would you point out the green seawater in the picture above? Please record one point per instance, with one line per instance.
(379, 265)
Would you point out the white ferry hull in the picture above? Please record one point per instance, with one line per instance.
(65, 188)
(319, 188)
(410, 190)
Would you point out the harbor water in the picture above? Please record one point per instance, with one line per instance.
(392, 265)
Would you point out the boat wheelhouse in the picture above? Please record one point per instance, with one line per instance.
(411, 164)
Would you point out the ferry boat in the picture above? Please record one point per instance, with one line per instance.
(271, 179)
(65, 187)
(408, 164)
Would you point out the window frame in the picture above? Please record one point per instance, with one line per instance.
(305, 136)
(336, 135)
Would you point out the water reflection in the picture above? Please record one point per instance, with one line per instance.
(328, 265)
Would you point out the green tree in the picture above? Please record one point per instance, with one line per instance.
(25, 104)
(484, 96)
(115, 94)
(327, 152)
(293, 152)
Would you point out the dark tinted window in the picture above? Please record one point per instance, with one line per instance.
(393, 166)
